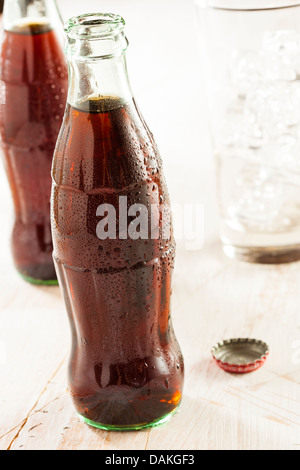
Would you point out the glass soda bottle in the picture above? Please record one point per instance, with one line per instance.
(126, 368)
(33, 91)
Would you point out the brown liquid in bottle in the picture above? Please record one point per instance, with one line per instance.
(126, 368)
(33, 89)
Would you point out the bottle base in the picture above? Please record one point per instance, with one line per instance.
(137, 427)
(39, 282)
(263, 255)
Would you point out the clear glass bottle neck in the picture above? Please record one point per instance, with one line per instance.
(96, 49)
(96, 79)
(21, 12)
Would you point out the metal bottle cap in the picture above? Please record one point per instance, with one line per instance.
(241, 355)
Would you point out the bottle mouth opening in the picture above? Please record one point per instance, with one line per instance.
(94, 25)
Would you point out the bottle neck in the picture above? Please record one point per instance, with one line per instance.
(20, 13)
(96, 47)
(99, 79)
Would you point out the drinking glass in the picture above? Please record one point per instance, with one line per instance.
(251, 58)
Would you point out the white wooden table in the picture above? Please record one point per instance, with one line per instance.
(214, 298)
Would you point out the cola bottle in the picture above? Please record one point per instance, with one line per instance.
(33, 92)
(113, 240)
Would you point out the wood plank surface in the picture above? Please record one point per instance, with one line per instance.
(213, 298)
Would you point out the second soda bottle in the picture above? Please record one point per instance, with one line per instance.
(33, 91)
(113, 240)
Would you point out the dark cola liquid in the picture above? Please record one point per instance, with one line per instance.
(126, 368)
(33, 87)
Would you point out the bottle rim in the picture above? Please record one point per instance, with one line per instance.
(94, 26)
